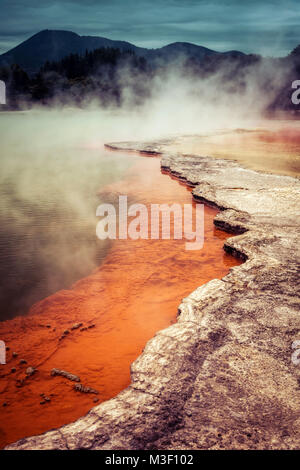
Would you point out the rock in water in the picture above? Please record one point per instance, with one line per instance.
(81, 388)
(76, 326)
(30, 371)
(67, 375)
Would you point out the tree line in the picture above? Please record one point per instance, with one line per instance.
(100, 74)
(109, 75)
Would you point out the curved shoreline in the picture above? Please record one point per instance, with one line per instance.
(222, 376)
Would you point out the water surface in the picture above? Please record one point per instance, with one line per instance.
(273, 148)
(48, 201)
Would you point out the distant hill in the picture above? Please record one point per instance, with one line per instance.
(172, 51)
(52, 46)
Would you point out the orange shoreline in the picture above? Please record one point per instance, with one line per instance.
(131, 296)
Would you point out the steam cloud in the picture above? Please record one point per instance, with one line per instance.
(53, 162)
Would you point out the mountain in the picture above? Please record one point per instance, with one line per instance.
(173, 51)
(49, 45)
(54, 45)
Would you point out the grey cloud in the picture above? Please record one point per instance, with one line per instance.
(269, 27)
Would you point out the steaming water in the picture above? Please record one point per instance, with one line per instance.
(274, 148)
(53, 164)
(47, 209)
(132, 295)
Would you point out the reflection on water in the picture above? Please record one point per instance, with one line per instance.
(48, 201)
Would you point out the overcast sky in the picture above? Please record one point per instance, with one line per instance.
(270, 27)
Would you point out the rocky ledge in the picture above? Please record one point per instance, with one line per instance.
(221, 377)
